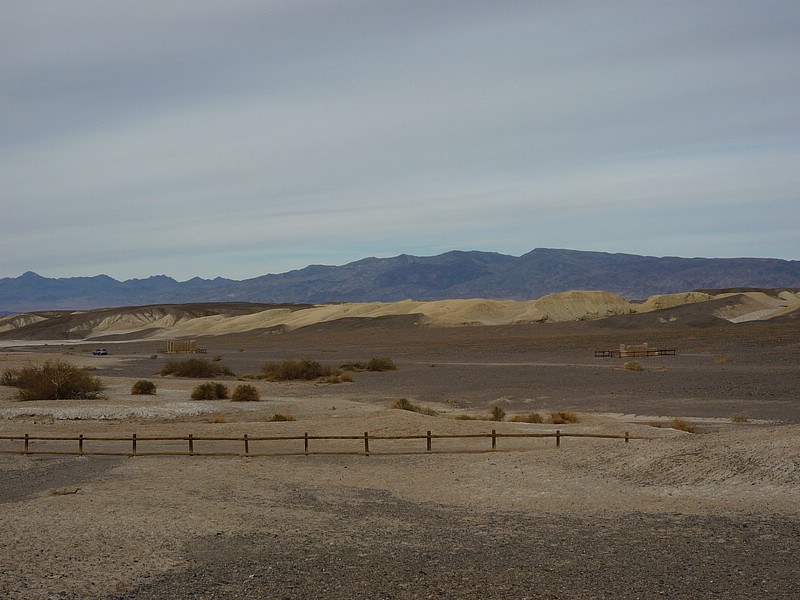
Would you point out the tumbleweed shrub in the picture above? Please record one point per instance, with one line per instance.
(530, 418)
(195, 368)
(210, 391)
(682, 425)
(54, 380)
(739, 418)
(633, 365)
(381, 363)
(498, 413)
(563, 417)
(143, 388)
(278, 417)
(289, 370)
(406, 404)
(245, 393)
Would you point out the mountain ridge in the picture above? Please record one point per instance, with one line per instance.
(451, 275)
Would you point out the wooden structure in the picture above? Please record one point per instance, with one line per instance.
(245, 445)
(634, 351)
(183, 347)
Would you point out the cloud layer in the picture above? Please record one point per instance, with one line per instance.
(246, 137)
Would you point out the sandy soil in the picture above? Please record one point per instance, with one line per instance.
(711, 514)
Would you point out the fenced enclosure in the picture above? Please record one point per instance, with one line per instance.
(292, 445)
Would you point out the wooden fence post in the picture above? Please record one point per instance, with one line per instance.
(305, 443)
(27, 444)
(627, 439)
(558, 438)
(191, 445)
(246, 445)
(429, 441)
(494, 440)
(366, 443)
(133, 444)
(80, 444)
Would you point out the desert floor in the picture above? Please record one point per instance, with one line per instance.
(713, 514)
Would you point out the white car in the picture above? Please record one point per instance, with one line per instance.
(100, 352)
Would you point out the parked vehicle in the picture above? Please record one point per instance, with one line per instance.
(100, 352)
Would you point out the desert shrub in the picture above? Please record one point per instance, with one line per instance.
(11, 378)
(143, 388)
(682, 425)
(295, 369)
(277, 417)
(54, 380)
(337, 378)
(196, 368)
(245, 393)
(498, 413)
(531, 418)
(562, 417)
(405, 404)
(632, 365)
(656, 424)
(383, 363)
(210, 391)
(740, 418)
(470, 418)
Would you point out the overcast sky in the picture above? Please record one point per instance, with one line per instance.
(242, 137)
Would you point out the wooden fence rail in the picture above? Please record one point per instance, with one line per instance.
(188, 445)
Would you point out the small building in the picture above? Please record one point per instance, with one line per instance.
(183, 347)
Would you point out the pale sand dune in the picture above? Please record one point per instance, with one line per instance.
(160, 323)
(662, 301)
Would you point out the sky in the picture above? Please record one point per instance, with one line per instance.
(204, 138)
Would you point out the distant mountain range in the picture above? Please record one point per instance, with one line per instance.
(450, 275)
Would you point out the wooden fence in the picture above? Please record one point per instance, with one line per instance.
(633, 353)
(245, 445)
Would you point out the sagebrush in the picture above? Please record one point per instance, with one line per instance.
(54, 380)
(195, 368)
(289, 370)
(245, 393)
(143, 388)
(210, 391)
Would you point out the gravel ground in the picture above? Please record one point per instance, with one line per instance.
(375, 546)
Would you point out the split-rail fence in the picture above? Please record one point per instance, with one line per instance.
(246, 445)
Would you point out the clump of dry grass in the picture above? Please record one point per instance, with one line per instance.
(530, 418)
(682, 425)
(378, 364)
(498, 413)
(657, 424)
(633, 365)
(562, 417)
(405, 404)
(277, 417)
(740, 418)
(337, 378)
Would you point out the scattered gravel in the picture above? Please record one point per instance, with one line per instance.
(376, 546)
